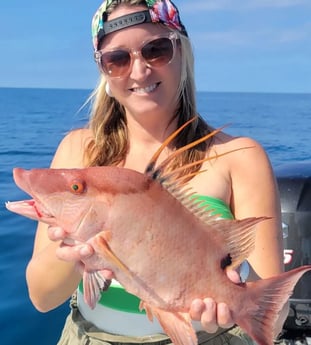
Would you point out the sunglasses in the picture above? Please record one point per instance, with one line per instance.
(157, 52)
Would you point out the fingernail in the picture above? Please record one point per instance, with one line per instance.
(209, 304)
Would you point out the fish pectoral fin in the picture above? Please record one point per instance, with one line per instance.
(105, 235)
(104, 249)
(176, 325)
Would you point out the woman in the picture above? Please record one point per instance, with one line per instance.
(146, 91)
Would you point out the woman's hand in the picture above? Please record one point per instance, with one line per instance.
(207, 311)
(69, 250)
(213, 315)
(73, 250)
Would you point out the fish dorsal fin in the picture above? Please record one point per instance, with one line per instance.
(174, 178)
(154, 172)
(151, 165)
(237, 236)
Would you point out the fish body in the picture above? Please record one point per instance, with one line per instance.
(160, 243)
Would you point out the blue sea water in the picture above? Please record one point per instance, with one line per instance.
(33, 121)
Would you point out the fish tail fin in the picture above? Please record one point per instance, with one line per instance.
(176, 325)
(93, 284)
(267, 296)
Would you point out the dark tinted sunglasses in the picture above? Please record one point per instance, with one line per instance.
(157, 52)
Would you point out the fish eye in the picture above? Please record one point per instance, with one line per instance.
(77, 187)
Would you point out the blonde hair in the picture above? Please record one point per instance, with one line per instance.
(108, 120)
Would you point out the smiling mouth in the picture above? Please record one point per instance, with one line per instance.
(148, 89)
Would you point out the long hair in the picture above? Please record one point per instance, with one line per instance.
(108, 120)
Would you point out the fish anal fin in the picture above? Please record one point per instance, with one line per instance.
(265, 299)
(176, 325)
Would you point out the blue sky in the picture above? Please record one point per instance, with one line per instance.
(239, 45)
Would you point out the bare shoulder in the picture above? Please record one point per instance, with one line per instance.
(239, 153)
(78, 137)
(253, 194)
(70, 151)
(246, 153)
(252, 179)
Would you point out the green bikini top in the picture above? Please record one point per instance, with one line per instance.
(117, 298)
(217, 205)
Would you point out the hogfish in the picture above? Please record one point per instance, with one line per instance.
(160, 242)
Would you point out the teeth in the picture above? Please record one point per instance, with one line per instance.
(145, 89)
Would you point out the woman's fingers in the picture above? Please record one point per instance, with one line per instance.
(209, 316)
(76, 252)
(224, 318)
(56, 233)
(233, 276)
(196, 309)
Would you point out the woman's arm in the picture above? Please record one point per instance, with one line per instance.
(50, 280)
(253, 193)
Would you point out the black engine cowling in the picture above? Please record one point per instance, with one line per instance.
(294, 181)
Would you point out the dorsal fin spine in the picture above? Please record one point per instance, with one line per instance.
(150, 167)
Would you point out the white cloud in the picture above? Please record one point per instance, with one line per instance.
(222, 38)
(260, 37)
(278, 3)
(290, 36)
(224, 5)
(208, 5)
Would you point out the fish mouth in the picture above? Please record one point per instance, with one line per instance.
(31, 209)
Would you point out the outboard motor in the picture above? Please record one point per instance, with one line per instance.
(294, 181)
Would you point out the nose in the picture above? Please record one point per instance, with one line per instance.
(139, 68)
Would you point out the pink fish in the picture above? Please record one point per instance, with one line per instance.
(161, 244)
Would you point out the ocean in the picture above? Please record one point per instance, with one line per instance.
(33, 121)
